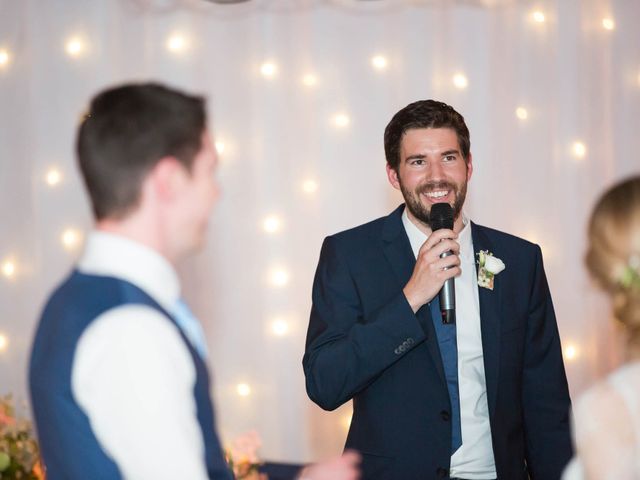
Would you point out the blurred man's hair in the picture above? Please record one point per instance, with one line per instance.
(126, 132)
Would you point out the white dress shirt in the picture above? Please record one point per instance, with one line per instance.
(474, 459)
(132, 374)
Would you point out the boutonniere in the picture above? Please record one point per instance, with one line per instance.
(490, 266)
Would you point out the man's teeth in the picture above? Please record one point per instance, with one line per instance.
(439, 194)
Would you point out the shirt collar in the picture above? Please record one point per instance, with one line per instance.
(417, 237)
(113, 255)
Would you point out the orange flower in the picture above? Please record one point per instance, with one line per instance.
(6, 419)
(37, 471)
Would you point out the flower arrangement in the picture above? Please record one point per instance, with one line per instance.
(19, 452)
(629, 277)
(242, 457)
(490, 266)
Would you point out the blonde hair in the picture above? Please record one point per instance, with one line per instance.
(613, 254)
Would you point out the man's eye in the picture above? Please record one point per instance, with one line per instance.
(449, 158)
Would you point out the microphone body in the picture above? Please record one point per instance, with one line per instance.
(447, 297)
(442, 217)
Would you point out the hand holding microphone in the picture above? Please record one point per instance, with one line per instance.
(436, 263)
(441, 217)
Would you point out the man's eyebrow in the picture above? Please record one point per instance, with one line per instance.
(417, 156)
(450, 152)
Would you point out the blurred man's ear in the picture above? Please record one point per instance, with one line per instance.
(167, 177)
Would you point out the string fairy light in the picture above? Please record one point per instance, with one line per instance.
(309, 186)
(243, 389)
(278, 277)
(71, 238)
(9, 268)
(460, 81)
(608, 23)
(522, 113)
(309, 80)
(346, 420)
(75, 47)
(4, 57)
(53, 177)
(341, 120)
(269, 69)
(279, 327)
(538, 16)
(379, 62)
(4, 342)
(272, 224)
(579, 150)
(177, 43)
(570, 352)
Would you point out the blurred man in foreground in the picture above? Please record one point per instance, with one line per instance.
(118, 374)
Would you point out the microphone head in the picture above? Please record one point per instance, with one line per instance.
(441, 216)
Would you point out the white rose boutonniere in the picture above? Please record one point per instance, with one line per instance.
(490, 266)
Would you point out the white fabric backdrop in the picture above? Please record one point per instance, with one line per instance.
(577, 80)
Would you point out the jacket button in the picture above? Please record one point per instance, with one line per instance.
(444, 415)
(442, 472)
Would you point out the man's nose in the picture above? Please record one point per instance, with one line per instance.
(436, 172)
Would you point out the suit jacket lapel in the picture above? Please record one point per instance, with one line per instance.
(398, 252)
(490, 315)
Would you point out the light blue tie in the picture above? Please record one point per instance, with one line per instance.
(446, 335)
(190, 326)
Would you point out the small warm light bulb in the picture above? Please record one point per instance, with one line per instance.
(522, 113)
(341, 120)
(8, 268)
(538, 16)
(279, 327)
(460, 81)
(579, 150)
(4, 58)
(570, 352)
(74, 47)
(346, 420)
(220, 147)
(310, 80)
(243, 389)
(608, 24)
(53, 177)
(176, 43)
(272, 224)
(379, 62)
(309, 186)
(279, 277)
(269, 69)
(4, 342)
(71, 238)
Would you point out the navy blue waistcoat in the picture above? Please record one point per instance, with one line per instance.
(69, 447)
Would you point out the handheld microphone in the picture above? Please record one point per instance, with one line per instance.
(441, 216)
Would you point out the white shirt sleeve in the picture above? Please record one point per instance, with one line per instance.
(134, 377)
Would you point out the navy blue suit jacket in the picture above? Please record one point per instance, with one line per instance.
(360, 318)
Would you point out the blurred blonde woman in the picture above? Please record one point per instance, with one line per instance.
(607, 416)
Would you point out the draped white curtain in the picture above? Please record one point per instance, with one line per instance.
(308, 150)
